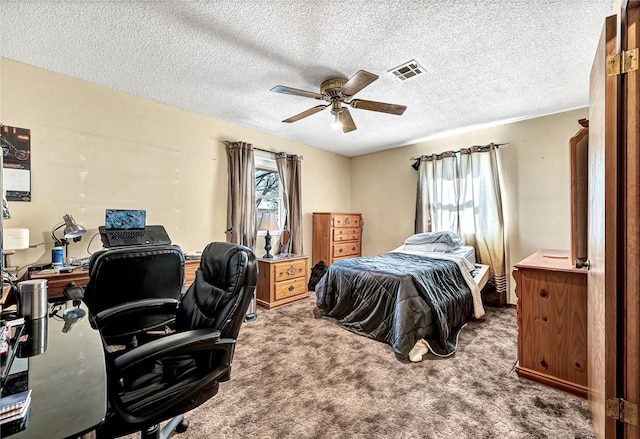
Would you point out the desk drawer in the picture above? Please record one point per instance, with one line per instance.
(57, 283)
(290, 270)
(346, 249)
(289, 288)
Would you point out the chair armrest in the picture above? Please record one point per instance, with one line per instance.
(142, 307)
(180, 343)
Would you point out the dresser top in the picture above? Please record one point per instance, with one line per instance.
(554, 260)
(277, 258)
(336, 213)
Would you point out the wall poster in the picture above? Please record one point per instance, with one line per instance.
(16, 157)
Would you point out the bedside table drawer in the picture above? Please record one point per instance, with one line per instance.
(290, 269)
(289, 288)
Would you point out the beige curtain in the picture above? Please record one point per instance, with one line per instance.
(241, 205)
(290, 168)
(460, 192)
(438, 187)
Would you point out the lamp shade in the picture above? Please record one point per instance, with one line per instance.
(72, 229)
(15, 239)
(268, 221)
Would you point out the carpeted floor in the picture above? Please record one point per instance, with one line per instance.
(299, 377)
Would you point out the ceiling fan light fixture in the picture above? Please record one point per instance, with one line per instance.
(336, 124)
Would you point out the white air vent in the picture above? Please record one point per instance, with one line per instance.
(407, 70)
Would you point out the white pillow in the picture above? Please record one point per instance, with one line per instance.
(444, 237)
(432, 247)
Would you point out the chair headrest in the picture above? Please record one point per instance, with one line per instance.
(224, 265)
(225, 271)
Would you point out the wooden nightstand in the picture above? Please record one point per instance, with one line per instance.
(282, 280)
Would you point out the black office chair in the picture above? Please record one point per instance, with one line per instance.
(134, 290)
(171, 375)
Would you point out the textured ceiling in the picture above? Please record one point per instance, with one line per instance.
(485, 61)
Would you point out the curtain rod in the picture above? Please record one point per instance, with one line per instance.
(260, 149)
(458, 151)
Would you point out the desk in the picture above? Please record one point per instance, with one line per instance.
(68, 382)
(57, 282)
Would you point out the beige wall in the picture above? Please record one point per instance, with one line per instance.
(95, 148)
(536, 181)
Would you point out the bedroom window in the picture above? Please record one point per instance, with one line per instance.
(268, 193)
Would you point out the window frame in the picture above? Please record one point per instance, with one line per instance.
(266, 162)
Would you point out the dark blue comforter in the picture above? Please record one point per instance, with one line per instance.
(398, 299)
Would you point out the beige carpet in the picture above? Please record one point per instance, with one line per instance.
(300, 377)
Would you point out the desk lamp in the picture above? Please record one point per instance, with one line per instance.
(268, 222)
(72, 231)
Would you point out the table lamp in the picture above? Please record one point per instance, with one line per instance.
(268, 222)
(72, 230)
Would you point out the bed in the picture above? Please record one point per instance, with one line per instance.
(406, 296)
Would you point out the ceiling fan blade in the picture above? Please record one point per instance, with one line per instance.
(306, 113)
(357, 82)
(347, 121)
(296, 92)
(378, 106)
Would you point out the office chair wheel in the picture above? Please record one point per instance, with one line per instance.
(182, 426)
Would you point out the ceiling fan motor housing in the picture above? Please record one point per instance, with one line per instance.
(329, 88)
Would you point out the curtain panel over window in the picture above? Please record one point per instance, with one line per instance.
(241, 199)
(290, 170)
(460, 192)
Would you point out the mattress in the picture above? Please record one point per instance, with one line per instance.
(467, 252)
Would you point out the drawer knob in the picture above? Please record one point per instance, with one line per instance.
(291, 271)
(544, 364)
(340, 250)
(291, 287)
(544, 293)
(353, 248)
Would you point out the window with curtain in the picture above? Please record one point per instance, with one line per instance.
(268, 190)
(460, 192)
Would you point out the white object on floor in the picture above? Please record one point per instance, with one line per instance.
(419, 349)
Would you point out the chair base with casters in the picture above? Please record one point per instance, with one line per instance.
(177, 424)
(163, 378)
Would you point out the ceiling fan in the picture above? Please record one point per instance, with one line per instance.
(338, 92)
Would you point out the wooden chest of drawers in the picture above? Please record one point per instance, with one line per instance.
(282, 281)
(336, 236)
(552, 321)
